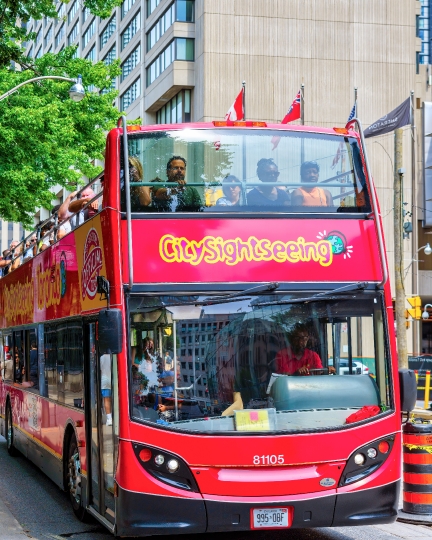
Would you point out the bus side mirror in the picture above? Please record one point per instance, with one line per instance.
(408, 389)
(110, 331)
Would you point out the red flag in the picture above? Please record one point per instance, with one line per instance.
(294, 112)
(236, 111)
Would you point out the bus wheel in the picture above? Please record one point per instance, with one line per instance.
(12, 451)
(73, 478)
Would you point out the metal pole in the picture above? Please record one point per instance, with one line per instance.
(398, 253)
(244, 99)
(415, 269)
(355, 101)
(302, 105)
(35, 79)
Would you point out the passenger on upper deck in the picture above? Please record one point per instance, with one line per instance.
(310, 195)
(180, 198)
(268, 195)
(70, 207)
(231, 187)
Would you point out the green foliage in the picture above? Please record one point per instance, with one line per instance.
(48, 139)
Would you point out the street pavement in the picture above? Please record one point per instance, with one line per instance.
(31, 506)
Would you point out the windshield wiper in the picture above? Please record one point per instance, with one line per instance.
(318, 297)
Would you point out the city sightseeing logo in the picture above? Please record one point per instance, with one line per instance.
(213, 249)
(92, 264)
(338, 243)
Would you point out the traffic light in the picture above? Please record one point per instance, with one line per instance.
(415, 303)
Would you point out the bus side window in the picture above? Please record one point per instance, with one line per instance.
(7, 367)
(50, 349)
(32, 360)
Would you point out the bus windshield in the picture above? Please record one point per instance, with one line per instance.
(257, 363)
(220, 170)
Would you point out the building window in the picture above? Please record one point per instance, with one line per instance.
(131, 62)
(130, 95)
(130, 30)
(85, 14)
(108, 31)
(39, 53)
(126, 7)
(185, 10)
(39, 36)
(110, 56)
(88, 34)
(91, 55)
(160, 27)
(72, 12)
(60, 35)
(176, 111)
(30, 53)
(49, 35)
(152, 5)
(73, 35)
(178, 49)
(61, 10)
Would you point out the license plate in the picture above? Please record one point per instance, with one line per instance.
(270, 518)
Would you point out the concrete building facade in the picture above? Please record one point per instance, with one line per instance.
(185, 60)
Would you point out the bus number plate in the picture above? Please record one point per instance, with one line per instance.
(270, 518)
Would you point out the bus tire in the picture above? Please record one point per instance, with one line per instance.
(73, 479)
(12, 451)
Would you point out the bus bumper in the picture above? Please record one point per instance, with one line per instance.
(140, 514)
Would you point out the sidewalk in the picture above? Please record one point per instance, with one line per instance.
(10, 529)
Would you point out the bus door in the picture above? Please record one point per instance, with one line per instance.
(100, 427)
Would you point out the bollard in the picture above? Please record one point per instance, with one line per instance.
(417, 468)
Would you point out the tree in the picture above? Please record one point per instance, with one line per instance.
(46, 138)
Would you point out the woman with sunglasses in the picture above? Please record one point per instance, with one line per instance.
(268, 194)
(231, 187)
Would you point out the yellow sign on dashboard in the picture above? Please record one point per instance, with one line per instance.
(252, 420)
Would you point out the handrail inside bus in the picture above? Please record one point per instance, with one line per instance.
(375, 202)
(21, 249)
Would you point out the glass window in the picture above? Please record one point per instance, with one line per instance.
(73, 34)
(185, 10)
(131, 29)
(85, 14)
(231, 171)
(7, 363)
(126, 7)
(49, 35)
(131, 62)
(110, 56)
(256, 361)
(50, 349)
(73, 10)
(91, 55)
(60, 35)
(178, 49)
(160, 27)
(39, 53)
(130, 95)
(152, 5)
(39, 36)
(61, 10)
(89, 33)
(425, 11)
(108, 31)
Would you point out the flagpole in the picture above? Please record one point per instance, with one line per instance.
(302, 104)
(355, 101)
(244, 99)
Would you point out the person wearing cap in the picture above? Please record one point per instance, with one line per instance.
(310, 194)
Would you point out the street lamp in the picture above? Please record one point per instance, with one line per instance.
(428, 251)
(425, 314)
(76, 92)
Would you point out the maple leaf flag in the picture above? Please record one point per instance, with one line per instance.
(294, 112)
(236, 111)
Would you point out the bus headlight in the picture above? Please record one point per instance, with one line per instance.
(366, 460)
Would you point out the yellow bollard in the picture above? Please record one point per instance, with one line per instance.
(427, 390)
(416, 375)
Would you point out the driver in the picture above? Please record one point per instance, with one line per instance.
(296, 359)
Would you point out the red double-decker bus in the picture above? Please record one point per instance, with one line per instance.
(213, 349)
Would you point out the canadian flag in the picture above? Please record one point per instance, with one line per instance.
(236, 111)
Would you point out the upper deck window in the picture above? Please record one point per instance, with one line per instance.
(246, 171)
